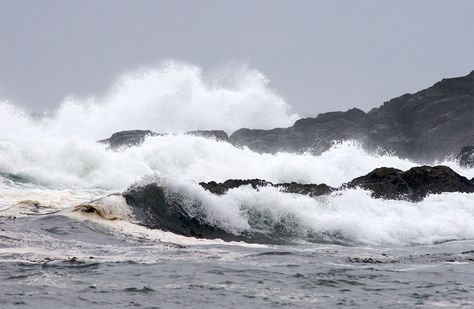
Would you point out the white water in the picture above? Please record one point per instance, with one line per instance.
(173, 97)
(352, 213)
(64, 165)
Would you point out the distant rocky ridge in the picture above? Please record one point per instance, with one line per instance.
(155, 206)
(429, 125)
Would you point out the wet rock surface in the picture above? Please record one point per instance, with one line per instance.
(385, 182)
(428, 125)
(127, 138)
(414, 184)
(218, 135)
(292, 187)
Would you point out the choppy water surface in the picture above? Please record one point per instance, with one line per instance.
(73, 260)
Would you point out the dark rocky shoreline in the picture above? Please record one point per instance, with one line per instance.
(384, 182)
(155, 207)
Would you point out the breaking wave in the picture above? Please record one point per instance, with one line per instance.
(350, 216)
(56, 161)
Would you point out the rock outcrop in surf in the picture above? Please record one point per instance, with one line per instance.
(218, 135)
(127, 138)
(156, 205)
(413, 184)
(292, 187)
(385, 182)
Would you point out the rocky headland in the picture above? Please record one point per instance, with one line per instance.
(429, 125)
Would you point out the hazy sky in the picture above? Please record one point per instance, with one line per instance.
(319, 55)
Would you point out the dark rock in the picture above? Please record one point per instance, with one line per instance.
(414, 184)
(306, 189)
(466, 156)
(428, 125)
(218, 135)
(313, 135)
(424, 180)
(223, 187)
(127, 138)
(293, 187)
(384, 182)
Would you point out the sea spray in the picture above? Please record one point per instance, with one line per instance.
(172, 97)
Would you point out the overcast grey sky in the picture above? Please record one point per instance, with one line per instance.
(319, 55)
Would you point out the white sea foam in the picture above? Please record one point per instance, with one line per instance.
(82, 163)
(351, 214)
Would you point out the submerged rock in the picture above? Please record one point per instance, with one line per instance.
(466, 157)
(127, 138)
(218, 135)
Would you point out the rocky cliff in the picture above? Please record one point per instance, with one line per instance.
(428, 125)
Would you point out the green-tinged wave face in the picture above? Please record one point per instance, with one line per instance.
(16, 178)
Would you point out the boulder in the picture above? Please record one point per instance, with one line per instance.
(414, 184)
